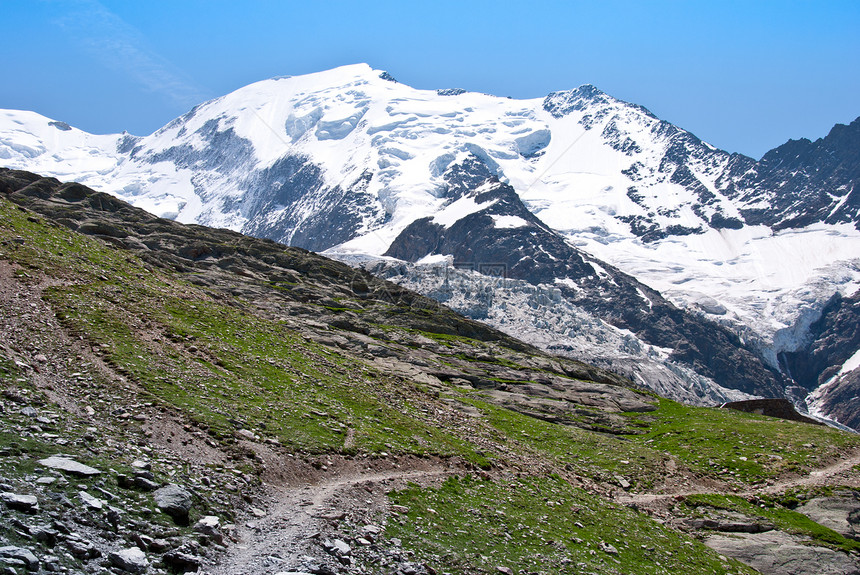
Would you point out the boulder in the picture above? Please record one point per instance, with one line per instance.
(82, 549)
(30, 412)
(145, 484)
(44, 535)
(132, 560)
(25, 503)
(21, 554)
(70, 466)
(174, 501)
(91, 502)
(181, 561)
(209, 526)
(607, 548)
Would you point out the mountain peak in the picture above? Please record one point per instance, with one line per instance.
(560, 104)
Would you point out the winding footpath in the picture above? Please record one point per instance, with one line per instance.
(818, 477)
(279, 540)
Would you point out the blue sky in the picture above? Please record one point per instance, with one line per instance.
(744, 76)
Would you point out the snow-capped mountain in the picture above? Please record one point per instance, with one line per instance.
(352, 162)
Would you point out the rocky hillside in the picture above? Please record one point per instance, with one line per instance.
(179, 398)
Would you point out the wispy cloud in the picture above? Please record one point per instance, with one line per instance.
(122, 48)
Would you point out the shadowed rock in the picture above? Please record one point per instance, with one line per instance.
(174, 501)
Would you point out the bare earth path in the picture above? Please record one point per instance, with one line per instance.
(824, 476)
(296, 516)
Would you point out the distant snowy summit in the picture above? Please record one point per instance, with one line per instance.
(346, 159)
(384, 148)
(349, 160)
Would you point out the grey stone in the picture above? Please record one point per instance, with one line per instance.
(607, 548)
(44, 535)
(622, 482)
(25, 503)
(744, 527)
(82, 549)
(159, 545)
(110, 496)
(30, 411)
(144, 542)
(341, 547)
(174, 501)
(21, 554)
(132, 560)
(69, 466)
(92, 502)
(837, 513)
(145, 473)
(207, 523)
(145, 484)
(209, 526)
(182, 561)
(730, 525)
(777, 553)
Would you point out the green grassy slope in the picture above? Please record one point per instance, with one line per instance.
(308, 358)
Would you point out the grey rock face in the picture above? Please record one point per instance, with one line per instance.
(842, 514)
(833, 339)
(802, 182)
(777, 553)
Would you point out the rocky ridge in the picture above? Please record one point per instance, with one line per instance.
(499, 231)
